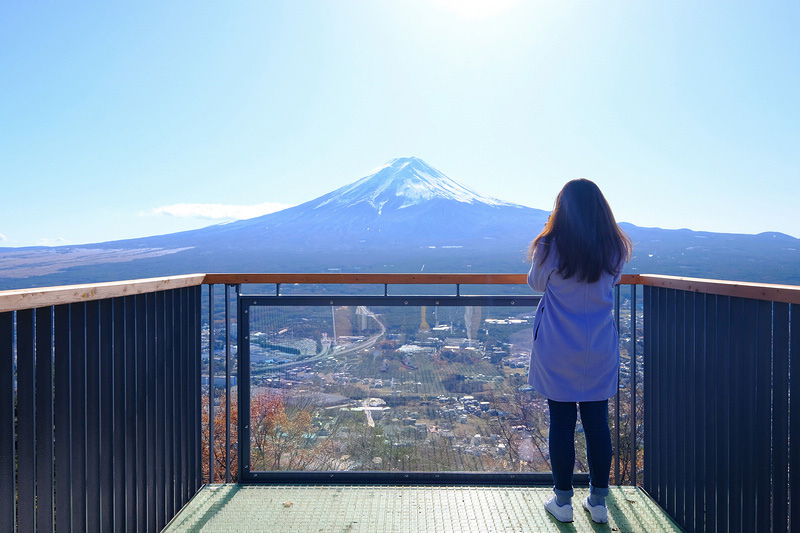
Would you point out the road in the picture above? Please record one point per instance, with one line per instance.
(364, 344)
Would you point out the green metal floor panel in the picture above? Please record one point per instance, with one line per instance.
(372, 509)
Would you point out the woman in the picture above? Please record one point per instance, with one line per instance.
(576, 261)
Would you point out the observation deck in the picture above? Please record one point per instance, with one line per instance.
(383, 402)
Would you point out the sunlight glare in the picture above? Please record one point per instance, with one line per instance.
(476, 9)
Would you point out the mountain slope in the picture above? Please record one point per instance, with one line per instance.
(406, 203)
(404, 217)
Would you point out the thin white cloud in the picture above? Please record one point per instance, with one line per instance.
(3, 237)
(217, 211)
(58, 241)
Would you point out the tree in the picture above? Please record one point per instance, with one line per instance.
(281, 440)
(630, 458)
(515, 411)
(219, 440)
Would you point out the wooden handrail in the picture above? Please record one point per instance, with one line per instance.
(756, 291)
(18, 299)
(381, 279)
(370, 279)
(740, 289)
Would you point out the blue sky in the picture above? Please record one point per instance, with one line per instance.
(126, 120)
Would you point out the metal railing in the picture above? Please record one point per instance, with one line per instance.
(99, 405)
(220, 461)
(101, 402)
(722, 436)
(628, 434)
(388, 305)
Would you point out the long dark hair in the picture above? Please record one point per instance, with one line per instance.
(585, 234)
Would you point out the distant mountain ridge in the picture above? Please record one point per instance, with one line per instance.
(405, 217)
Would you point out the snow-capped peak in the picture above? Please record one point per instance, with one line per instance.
(404, 182)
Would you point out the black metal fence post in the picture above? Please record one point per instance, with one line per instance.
(722, 457)
(83, 416)
(8, 481)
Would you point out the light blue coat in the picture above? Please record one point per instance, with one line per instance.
(575, 355)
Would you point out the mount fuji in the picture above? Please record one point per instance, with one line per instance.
(404, 205)
(403, 182)
(404, 217)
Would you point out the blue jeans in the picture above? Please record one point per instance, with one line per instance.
(594, 417)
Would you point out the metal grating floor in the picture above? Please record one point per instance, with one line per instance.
(372, 509)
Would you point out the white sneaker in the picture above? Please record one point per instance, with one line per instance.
(563, 513)
(599, 512)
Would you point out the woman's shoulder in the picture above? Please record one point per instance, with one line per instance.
(546, 246)
(545, 255)
(544, 262)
